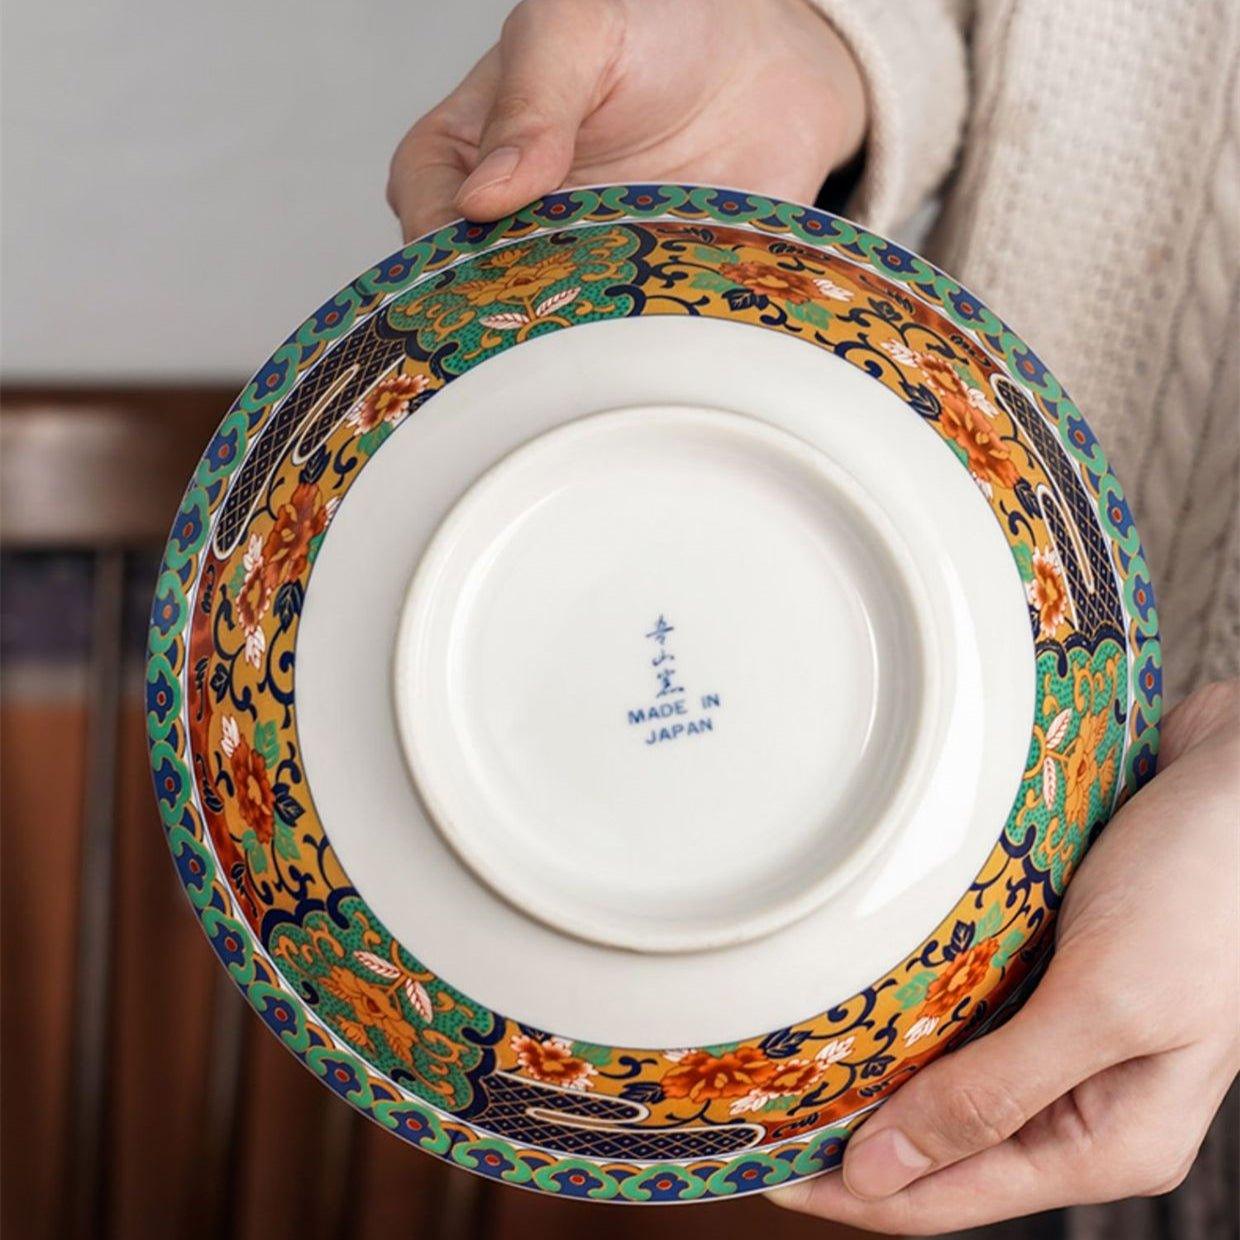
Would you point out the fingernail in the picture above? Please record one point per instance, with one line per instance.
(883, 1164)
(498, 166)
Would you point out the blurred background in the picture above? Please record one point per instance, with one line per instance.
(181, 185)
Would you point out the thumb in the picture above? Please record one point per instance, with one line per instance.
(978, 1096)
(555, 57)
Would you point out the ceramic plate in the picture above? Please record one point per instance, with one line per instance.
(629, 684)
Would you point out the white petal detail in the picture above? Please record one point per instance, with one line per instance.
(1058, 728)
(506, 321)
(923, 1028)
(376, 964)
(557, 301)
(253, 553)
(230, 734)
(981, 402)
(834, 1051)
(1050, 782)
(831, 290)
(415, 992)
(899, 352)
(750, 1102)
(255, 644)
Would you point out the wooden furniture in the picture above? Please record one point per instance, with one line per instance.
(141, 1097)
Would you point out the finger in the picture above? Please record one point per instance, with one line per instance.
(1212, 710)
(555, 60)
(1003, 1182)
(1098, 1144)
(999, 1183)
(438, 153)
(978, 1096)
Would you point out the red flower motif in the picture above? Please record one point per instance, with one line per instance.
(700, 1076)
(255, 799)
(966, 424)
(1048, 592)
(962, 975)
(552, 1061)
(298, 521)
(771, 281)
(794, 1076)
(387, 401)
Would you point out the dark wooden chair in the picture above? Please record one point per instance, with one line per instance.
(158, 1104)
(102, 475)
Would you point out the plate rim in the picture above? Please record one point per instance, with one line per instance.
(235, 943)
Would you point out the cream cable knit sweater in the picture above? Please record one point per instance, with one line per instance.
(1094, 201)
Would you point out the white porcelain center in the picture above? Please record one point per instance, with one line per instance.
(664, 676)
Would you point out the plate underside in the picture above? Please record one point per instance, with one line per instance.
(622, 644)
(818, 692)
(616, 758)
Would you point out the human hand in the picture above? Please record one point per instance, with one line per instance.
(751, 94)
(1103, 1085)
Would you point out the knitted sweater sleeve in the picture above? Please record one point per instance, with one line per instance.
(911, 54)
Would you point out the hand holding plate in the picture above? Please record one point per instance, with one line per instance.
(1104, 1084)
(753, 94)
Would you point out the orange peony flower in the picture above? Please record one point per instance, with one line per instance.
(1048, 592)
(552, 1061)
(772, 281)
(1081, 770)
(794, 1076)
(989, 459)
(966, 424)
(255, 799)
(387, 401)
(298, 520)
(374, 1008)
(700, 1076)
(512, 277)
(961, 976)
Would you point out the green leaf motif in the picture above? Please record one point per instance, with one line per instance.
(254, 852)
(1024, 560)
(711, 280)
(1008, 948)
(713, 254)
(312, 550)
(810, 312)
(989, 922)
(597, 1055)
(371, 440)
(286, 842)
(267, 743)
(237, 580)
(914, 990)
(966, 376)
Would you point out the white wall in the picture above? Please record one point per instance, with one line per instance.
(183, 183)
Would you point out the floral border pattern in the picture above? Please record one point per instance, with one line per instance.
(794, 1153)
